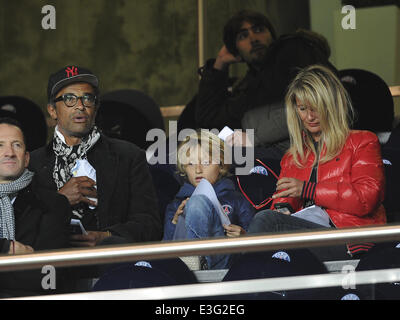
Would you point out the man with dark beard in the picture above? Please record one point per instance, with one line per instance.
(117, 204)
(257, 101)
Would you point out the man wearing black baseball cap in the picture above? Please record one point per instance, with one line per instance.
(106, 180)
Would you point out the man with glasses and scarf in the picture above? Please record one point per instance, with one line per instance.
(117, 203)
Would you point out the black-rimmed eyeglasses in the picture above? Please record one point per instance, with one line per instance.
(70, 99)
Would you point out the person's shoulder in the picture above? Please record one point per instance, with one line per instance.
(224, 185)
(289, 40)
(40, 152)
(287, 157)
(45, 198)
(118, 143)
(39, 157)
(304, 39)
(46, 194)
(361, 137)
(122, 146)
(228, 189)
(362, 134)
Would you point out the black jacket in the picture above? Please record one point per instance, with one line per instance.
(127, 204)
(41, 221)
(217, 107)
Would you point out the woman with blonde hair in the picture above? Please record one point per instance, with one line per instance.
(334, 172)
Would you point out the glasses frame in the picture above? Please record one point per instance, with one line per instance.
(62, 98)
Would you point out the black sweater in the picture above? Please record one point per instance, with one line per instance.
(216, 107)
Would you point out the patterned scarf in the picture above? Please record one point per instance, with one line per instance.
(7, 192)
(66, 156)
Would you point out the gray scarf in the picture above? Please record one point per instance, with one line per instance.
(8, 191)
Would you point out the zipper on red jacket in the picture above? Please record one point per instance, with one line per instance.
(316, 175)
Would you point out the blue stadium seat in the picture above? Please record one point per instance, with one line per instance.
(30, 116)
(280, 263)
(129, 115)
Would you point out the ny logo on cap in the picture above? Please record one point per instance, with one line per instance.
(71, 71)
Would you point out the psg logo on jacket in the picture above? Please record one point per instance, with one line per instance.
(227, 209)
(259, 170)
(281, 255)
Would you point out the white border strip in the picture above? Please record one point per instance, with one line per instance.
(233, 287)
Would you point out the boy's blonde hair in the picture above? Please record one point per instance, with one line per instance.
(319, 87)
(206, 141)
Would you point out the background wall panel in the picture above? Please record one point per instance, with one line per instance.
(146, 45)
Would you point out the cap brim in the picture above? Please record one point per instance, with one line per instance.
(88, 78)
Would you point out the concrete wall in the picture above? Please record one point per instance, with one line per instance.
(147, 45)
(374, 45)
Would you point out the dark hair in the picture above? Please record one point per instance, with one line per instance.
(13, 122)
(234, 24)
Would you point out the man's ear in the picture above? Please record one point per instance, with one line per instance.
(27, 158)
(51, 109)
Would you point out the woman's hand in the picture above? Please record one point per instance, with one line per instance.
(179, 211)
(291, 187)
(233, 230)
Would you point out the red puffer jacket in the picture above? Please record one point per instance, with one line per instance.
(350, 187)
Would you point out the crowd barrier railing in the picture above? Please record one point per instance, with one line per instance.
(235, 287)
(159, 250)
(170, 249)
